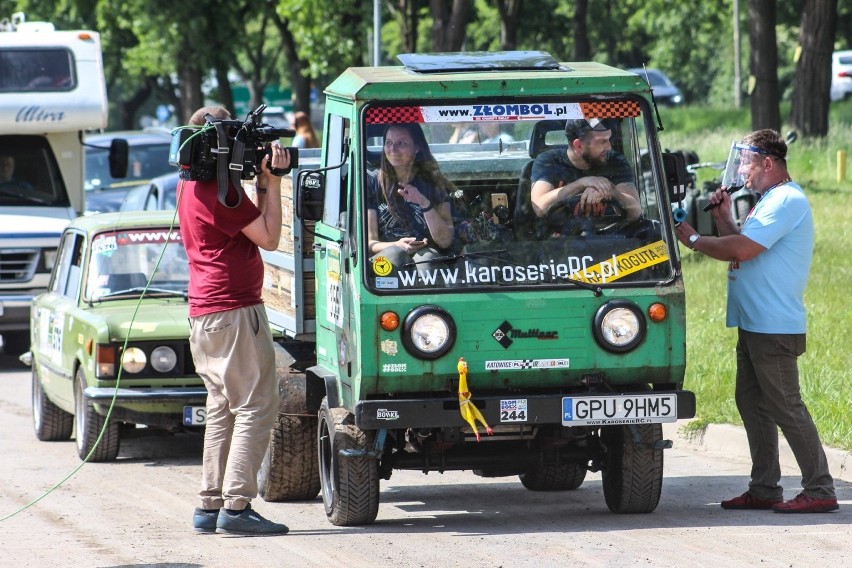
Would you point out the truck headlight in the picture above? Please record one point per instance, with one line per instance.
(163, 359)
(619, 326)
(428, 332)
(133, 360)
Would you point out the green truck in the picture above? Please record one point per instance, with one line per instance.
(564, 333)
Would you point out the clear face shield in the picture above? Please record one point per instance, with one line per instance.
(739, 160)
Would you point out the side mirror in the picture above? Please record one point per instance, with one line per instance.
(677, 178)
(311, 195)
(119, 155)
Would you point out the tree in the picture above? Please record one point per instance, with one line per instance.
(449, 23)
(509, 10)
(812, 81)
(763, 65)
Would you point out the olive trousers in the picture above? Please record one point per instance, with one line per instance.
(768, 398)
(233, 354)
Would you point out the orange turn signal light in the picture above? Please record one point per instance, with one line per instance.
(657, 312)
(389, 321)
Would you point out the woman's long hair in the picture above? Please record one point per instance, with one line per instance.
(303, 127)
(425, 167)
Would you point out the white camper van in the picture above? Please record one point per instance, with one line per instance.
(52, 89)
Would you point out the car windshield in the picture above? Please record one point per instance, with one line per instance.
(488, 171)
(124, 260)
(146, 161)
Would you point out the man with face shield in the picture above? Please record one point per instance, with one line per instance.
(769, 260)
(589, 170)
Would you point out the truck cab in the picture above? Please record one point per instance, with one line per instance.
(537, 342)
(52, 89)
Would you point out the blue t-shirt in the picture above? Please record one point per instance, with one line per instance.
(766, 293)
(391, 229)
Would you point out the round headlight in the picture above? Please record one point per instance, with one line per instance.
(133, 360)
(163, 359)
(428, 332)
(619, 326)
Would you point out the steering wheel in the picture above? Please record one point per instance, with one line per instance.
(560, 217)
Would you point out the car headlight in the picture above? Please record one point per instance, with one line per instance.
(133, 360)
(619, 326)
(428, 332)
(163, 359)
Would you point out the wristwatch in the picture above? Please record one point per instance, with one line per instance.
(693, 239)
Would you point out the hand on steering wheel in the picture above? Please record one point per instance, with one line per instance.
(565, 216)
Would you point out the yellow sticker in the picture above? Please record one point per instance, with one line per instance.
(382, 266)
(624, 264)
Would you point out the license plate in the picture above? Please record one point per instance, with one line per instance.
(619, 409)
(194, 415)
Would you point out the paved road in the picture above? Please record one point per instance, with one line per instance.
(136, 512)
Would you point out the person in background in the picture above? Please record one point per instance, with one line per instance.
(230, 338)
(769, 259)
(7, 174)
(408, 212)
(306, 136)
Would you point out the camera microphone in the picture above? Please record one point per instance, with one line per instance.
(729, 191)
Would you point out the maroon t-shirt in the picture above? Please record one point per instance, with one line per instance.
(225, 268)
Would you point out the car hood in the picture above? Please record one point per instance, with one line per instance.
(155, 319)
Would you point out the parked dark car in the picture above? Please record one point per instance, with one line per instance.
(149, 158)
(665, 91)
(161, 193)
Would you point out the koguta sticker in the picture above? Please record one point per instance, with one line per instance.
(624, 264)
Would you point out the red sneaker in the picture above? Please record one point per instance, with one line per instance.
(748, 501)
(802, 503)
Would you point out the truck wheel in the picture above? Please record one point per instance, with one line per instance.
(50, 422)
(89, 425)
(350, 483)
(290, 470)
(554, 477)
(633, 470)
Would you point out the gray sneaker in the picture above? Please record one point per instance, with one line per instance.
(204, 521)
(247, 522)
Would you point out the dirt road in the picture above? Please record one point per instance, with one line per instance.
(136, 512)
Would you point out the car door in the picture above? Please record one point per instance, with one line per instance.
(53, 346)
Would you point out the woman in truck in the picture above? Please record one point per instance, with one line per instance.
(408, 215)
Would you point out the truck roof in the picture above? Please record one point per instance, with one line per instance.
(475, 74)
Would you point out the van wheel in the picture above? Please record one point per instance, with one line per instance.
(89, 425)
(290, 469)
(554, 477)
(350, 483)
(50, 422)
(633, 470)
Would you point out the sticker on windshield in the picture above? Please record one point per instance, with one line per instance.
(382, 266)
(512, 111)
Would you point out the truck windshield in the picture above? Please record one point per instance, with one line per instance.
(29, 174)
(540, 194)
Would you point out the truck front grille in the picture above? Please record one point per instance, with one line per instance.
(18, 265)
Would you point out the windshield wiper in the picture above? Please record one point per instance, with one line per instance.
(154, 292)
(460, 256)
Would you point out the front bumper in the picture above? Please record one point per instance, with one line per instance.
(185, 395)
(444, 412)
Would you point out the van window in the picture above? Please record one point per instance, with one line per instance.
(36, 70)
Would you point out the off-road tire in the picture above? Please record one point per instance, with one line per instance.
(50, 423)
(633, 470)
(350, 484)
(290, 468)
(554, 477)
(89, 424)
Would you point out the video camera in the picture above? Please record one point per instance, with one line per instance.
(240, 144)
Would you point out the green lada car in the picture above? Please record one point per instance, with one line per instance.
(109, 348)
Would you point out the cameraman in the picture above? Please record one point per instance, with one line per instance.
(230, 337)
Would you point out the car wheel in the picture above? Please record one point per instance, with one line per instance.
(554, 477)
(348, 476)
(633, 469)
(50, 422)
(89, 425)
(290, 470)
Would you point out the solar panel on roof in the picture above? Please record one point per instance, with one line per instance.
(479, 61)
